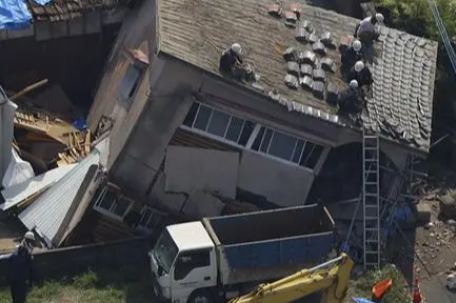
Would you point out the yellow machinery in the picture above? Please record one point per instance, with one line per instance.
(331, 277)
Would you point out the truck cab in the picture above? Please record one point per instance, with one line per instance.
(184, 263)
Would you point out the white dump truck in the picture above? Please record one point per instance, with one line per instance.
(216, 259)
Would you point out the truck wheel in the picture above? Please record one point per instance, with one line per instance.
(202, 296)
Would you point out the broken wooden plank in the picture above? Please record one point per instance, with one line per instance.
(87, 142)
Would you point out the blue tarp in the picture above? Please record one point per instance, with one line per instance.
(361, 300)
(42, 2)
(14, 14)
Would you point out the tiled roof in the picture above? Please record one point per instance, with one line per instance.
(197, 31)
(404, 88)
(58, 10)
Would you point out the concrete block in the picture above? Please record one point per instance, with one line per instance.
(423, 212)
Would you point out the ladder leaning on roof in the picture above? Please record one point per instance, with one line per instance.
(371, 198)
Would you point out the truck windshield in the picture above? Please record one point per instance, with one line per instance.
(165, 251)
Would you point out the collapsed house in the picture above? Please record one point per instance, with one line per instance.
(186, 142)
(176, 125)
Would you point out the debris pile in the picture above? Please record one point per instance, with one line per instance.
(43, 147)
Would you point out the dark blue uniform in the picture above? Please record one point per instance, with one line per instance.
(350, 57)
(350, 101)
(20, 271)
(364, 77)
(228, 61)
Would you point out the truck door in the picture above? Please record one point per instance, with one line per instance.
(193, 270)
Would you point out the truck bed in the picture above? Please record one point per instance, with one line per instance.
(270, 244)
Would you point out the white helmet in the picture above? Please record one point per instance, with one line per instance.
(354, 84)
(29, 236)
(359, 66)
(357, 45)
(379, 17)
(236, 47)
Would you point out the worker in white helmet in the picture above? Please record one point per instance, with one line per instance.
(367, 29)
(351, 101)
(230, 58)
(21, 268)
(361, 74)
(352, 55)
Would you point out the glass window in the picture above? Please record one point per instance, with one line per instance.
(165, 251)
(218, 124)
(191, 114)
(108, 199)
(121, 207)
(202, 118)
(246, 132)
(259, 137)
(298, 151)
(282, 146)
(311, 155)
(287, 147)
(129, 82)
(188, 261)
(234, 129)
(145, 216)
(266, 140)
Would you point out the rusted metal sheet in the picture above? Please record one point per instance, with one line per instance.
(59, 10)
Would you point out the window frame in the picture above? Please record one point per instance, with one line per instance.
(128, 100)
(253, 136)
(153, 212)
(223, 139)
(110, 212)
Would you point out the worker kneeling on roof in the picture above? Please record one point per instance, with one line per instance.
(367, 30)
(351, 101)
(230, 58)
(361, 74)
(352, 54)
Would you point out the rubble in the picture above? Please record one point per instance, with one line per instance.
(447, 204)
(423, 212)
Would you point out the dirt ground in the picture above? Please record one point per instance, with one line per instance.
(428, 251)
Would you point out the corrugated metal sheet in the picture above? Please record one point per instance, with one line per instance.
(48, 212)
(19, 192)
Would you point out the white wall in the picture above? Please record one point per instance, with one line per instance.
(280, 183)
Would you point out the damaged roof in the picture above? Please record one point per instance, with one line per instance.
(197, 31)
(46, 215)
(59, 10)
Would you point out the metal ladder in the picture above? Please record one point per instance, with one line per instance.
(371, 199)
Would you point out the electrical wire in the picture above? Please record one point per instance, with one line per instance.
(443, 33)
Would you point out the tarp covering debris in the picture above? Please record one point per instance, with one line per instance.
(18, 171)
(7, 112)
(14, 14)
(20, 192)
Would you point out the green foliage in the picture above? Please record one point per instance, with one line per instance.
(415, 16)
(362, 287)
(112, 286)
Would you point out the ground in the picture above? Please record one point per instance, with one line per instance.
(428, 250)
(105, 287)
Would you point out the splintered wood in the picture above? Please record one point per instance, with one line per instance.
(44, 127)
(78, 147)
